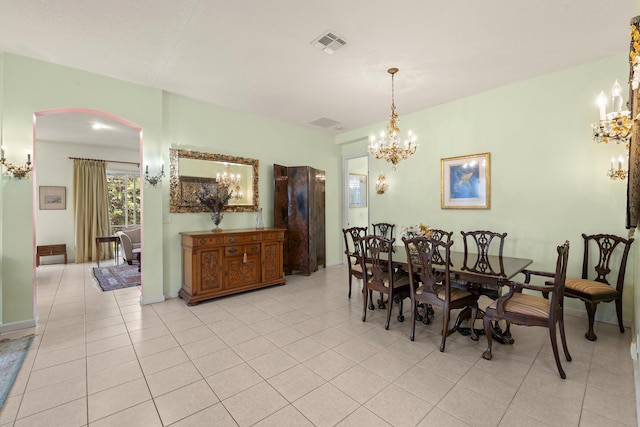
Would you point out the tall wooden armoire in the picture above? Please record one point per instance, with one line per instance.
(299, 207)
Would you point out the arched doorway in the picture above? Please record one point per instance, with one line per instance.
(59, 135)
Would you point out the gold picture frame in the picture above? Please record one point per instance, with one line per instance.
(53, 198)
(465, 182)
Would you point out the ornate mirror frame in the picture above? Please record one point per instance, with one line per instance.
(180, 183)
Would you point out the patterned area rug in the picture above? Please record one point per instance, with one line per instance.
(117, 277)
(12, 353)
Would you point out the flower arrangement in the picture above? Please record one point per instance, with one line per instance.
(411, 231)
(215, 200)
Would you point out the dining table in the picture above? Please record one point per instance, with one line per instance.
(475, 272)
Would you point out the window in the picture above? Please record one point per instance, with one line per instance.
(124, 200)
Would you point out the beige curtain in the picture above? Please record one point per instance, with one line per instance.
(90, 206)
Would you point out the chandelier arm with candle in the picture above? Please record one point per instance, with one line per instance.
(393, 149)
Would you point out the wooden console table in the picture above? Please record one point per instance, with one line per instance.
(227, 262)
(50, 250)
(108, 239)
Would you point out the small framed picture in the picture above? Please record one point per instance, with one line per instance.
(357, 190)
(465, 182)
(53, 198)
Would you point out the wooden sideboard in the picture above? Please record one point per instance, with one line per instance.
(50, 250)
(215, 264)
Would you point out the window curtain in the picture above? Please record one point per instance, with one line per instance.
(91, 207)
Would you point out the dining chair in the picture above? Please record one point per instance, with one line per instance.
(381, 276)
(430, 287)
(384, 229)
(352, 238)
(592, 292)
(534, 310)
(445, 236)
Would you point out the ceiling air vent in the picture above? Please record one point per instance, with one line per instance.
(324, 122)
(329, 42)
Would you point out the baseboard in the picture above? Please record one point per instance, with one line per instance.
(14, 326)
(613, 320)
(153, 300)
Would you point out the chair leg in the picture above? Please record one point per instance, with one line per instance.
(366, 303)
(400, 315)
(554, 346)
(619, 313)
(389, 309)
(487, 331)
(414, 309)
(472, 320)
(563, 337)
(591, 314)
(445, 328)
(350, 277)
(371, 306)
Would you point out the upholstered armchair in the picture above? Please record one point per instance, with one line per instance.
(129, 240)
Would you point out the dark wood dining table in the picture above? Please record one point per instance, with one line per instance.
(475, 272)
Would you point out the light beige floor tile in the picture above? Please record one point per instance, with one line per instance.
(9, 409)
(331, 337)
(113, 376)
(51, 396)
(284, 336)
(57, 373)
(56, 357)
(70, 414)
(363, 417)
(473, 408)
(254, 404)
(620, 409)
(356, 350)
(110, 359)
(163, 360)
(198, 349)
(217, 362)
(148, 333)
(386, 365)
(155, 345)
(326, 405)
(116, 399)
(546, 408)
(424, 384)
(184, 402)
(329, 364)
(108, 344)
(267, 326)
(215, 415)
(106, 332)
(143, 414)
(398, 407)
(172, 378)
(254, 348)
(447, 367)
(238, 335)
(593, 419)
(272, 363)
(359, 383)
(437, 417)
(190, 335)
(288, 416)
(515, 418)
(233, 380)
(296, 382)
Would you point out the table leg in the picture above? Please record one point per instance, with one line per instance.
(98, 252)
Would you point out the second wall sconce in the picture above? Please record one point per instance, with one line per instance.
(381, 184)
(153, 180)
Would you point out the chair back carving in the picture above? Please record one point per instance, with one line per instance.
(483, 242)
(352, 238)
(384, 229)
(380, 271)
(606, 244)
(430, 258)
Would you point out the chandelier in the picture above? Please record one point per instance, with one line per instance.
(228, 180)
(615, 125)
(393, 149)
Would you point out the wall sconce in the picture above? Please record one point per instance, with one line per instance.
(619, 173)
(381, 184)
(20, 172)
(153, 180)
(615, 125)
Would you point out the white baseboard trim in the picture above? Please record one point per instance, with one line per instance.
(14, 326)
(146, 301)
(613, 320)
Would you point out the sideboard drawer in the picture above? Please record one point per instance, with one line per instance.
(274, 235)
(241, 249)
(242, 238)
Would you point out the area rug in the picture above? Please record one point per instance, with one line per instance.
(12, 353)
(117, 277)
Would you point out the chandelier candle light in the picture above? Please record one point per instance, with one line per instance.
(20, 172)
(393, 149)
(615, 125)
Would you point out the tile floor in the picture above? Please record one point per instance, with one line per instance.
(295, 355)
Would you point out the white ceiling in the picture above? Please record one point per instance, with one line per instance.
(255, 55)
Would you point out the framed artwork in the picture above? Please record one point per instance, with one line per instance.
(465, 182)
(53, 198)
(357, 191)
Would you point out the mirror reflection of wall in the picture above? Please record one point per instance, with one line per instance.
(242, 190)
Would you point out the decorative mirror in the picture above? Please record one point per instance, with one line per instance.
(192, 169)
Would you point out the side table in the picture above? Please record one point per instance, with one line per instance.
(108, 239)
(138, 254)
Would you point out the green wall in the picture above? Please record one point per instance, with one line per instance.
(548, 177)
(166, 120)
